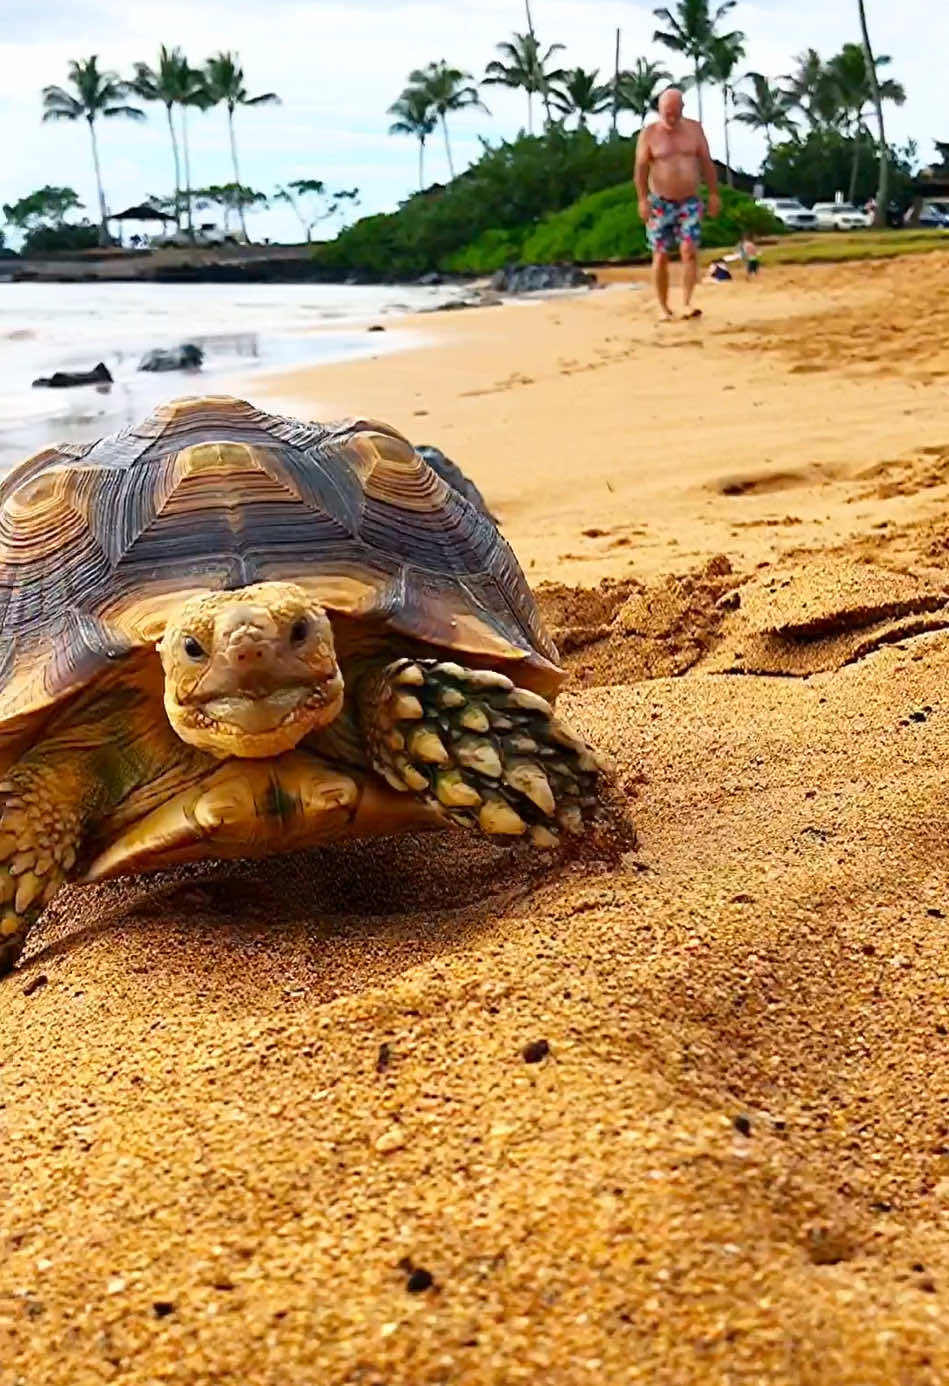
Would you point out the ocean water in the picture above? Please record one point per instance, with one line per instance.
(245, 330)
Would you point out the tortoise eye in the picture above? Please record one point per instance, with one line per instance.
(193, 648)
(299, 631)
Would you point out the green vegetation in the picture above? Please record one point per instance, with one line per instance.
(826, 158)
(558, 196)
(511, 188)
(523, 66)
(603, 226)
(42, 217)
(312, 202)
(853, 245)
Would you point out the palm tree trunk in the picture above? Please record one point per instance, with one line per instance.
(530, 111)
(854, 166)
(237, 172)
(103, 214)
(698, 89)
(187, 160)
(883, 177)
(615, 108)
(174, 150)
(451, 166)
(421, 162)
(728, 157)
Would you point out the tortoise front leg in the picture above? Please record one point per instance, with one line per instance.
(89, 758)
(491, 754)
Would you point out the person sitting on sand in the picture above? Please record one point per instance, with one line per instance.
(718, 272)
(672, 155)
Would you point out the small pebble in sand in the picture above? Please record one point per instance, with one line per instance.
(162, 1308)
(35, 984)
(742, 1125)
(419, 1280)
(393, 1139)
(535, 1051)
(383, 1057)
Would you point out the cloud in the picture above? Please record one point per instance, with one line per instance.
(338, 65)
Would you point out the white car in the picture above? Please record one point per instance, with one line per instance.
(205, 235)
(791, 213)
(841, 216)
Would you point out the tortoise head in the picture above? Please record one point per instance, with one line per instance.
(250, 672)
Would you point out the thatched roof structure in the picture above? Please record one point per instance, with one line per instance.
(142, 212)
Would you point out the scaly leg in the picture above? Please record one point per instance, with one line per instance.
(88, 759)
(492, 754)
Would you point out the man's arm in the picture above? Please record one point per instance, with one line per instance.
(709, 174)
(641, 172)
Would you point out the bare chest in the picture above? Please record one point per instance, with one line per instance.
(668, 144)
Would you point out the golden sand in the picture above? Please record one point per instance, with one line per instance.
(278, 1125)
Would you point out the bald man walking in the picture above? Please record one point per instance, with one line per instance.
(672, 157)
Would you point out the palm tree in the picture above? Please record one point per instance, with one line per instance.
(194, 96)
(414, 116)
(852, 83)
(765, 107)
(811, 90)
(876, 92)
(224, 82)
(94, 94)
(523, 65)
(724, 54)
(639, 87)
(580, 94)
(446, 89)
(689, 30)
(167, 83)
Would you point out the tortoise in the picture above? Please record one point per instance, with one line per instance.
(228, 634)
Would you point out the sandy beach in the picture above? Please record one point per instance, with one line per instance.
(416, 1113)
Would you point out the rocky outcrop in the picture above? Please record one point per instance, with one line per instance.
(64, 380)
(532, 279)
(186, 357)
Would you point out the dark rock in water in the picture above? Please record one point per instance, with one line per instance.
(62, 380)
(376, 327)
(433, 277)
(450, 471)
(532, 279)
(186, 357)
(476, 298)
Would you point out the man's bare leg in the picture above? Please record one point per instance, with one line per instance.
(690, 269)
(660, 284)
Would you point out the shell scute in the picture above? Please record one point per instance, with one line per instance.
(100, 542)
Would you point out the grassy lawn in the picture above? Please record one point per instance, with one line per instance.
(830, 246)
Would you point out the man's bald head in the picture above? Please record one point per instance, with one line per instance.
(670, 106)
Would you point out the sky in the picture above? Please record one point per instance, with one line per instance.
(338, 64)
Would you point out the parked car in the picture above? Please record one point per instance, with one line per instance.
(790, 212)
(204, 235)
(933, 214)
(841, 216)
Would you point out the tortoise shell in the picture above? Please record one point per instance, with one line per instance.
(99, 542)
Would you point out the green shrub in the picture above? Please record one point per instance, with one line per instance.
(605, 226)
(509, 189)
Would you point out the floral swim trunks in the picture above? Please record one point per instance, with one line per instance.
(671, 223)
